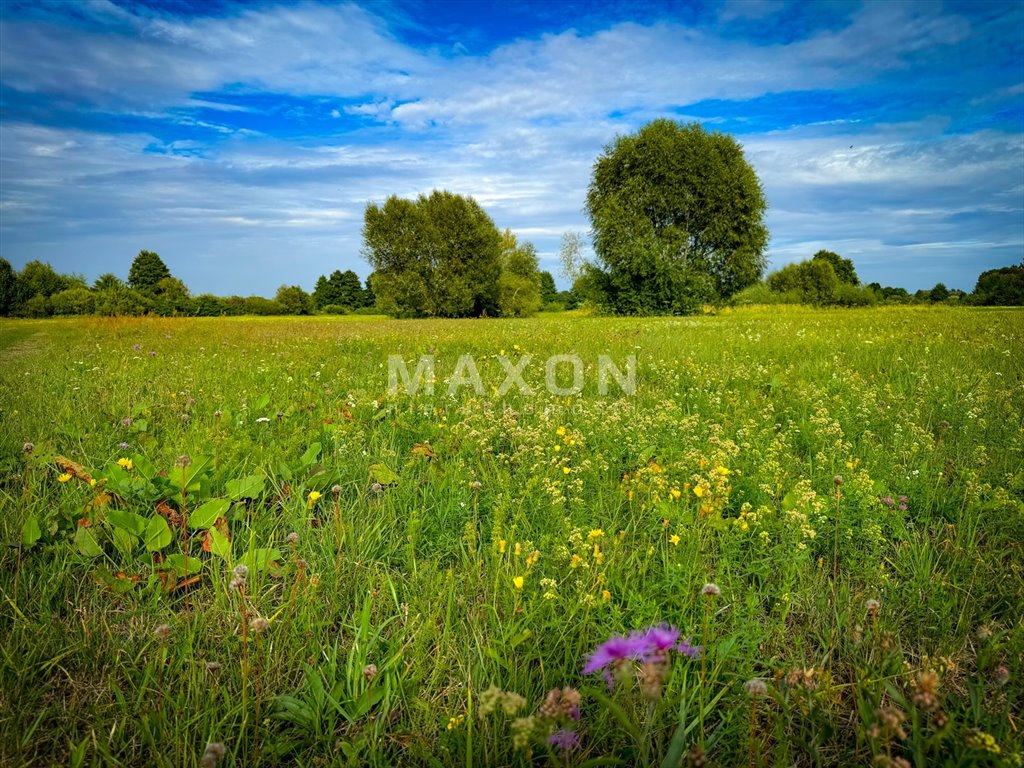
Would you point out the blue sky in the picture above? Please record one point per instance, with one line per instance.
(243, 141)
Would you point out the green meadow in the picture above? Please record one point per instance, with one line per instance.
(229, 532)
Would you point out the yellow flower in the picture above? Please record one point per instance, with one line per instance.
(596, 533)
(532, 559)
(518, 582)
(566, 470)
(455, 722)
(598, 554)
(312, 498)
(557, 448)
(501, 546)
(92, 482)
(674, 539)
(560, 431)
(519, 549)
(575, 561)
(699, 491)
(125, 463)
(63, 477)
(723, 471)
(676, 494)
(606, 595)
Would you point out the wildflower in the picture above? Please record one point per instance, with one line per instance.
(1001, 675)
(606, 595)
(263, 420)
(532, 558)
(123, 446)
(136, 347)
(522, 728)
(152, 353)
(217, 414)
(213, 667)
(336, 490)
(259, 625)
(872, 606)
(575, 561)
(502, 545)
(183, 461)
(595, 533)
(28, 448)
(692, 651)
(63, 477)
(613, 652)
(560, 431)
(162, 631)
(838, 480)
(124, 463)
(476, 485)
(755, 687)
(241, 573)
(711, 590)
(517, 582)
(92, 482)
(978, 739)
(455, 722)
(675, 494)
(369, 672)
(984, 632)
(925, 693)
(312, 499)
(564, 739)
(561, 703)
(566, 470)
(699, 491)
(674, 539)
(377, 489)
(292, 538)
(213, 754)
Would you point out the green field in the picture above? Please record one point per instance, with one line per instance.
(852, 482)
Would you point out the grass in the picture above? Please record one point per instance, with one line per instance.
(882, 614)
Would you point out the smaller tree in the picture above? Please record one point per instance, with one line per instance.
(843, 268)
(1001, 287)
(171, 298)
(548, 289)
(519, 283)
(106, 282)
(146, 272)
(294, 300)
(8, 288)
(73, 301)
(939, 293)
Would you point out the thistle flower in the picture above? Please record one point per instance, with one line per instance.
(136, 347)
(872, 606)
(336, 490)
(377, 489)
(259, 625)
(292, 538)
(213, 754)
(162, 631)
(28, 448)
(217, 414)
(565, 740)
(711, 590)
(1001, 675)
(838, 480)
(183, 461)
(369, 672)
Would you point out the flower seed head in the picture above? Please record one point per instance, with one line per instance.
(377, 488)
(369, 672)
(259, 625)
(476, 485)
(241, 571)
(213, 667)
(292, 538)
(1001, 675)
(838, 480)
(213, 754)
(162, 631)
(711, 590)
(28, 448)
(336, 490)
(872, 606)
(183, 461)
(217, 414)
(755, 687)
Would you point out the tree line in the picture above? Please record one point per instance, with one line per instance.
(677, 223)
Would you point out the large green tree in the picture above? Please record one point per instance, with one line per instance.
(678, 219)
(436, 256)
(8, 287)
(1003, 287)
(146, 272)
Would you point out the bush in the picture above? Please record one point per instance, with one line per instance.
(760, 293)
(122, 301)
(74, 301)
(208, 305)
(847, 295)
(334, 309)
(367, 311)
(37, 306)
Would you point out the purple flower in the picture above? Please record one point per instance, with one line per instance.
(615, 649)
(152, 353)
(903, 499)
(692, 651)
(564, 739)
(887, 500)
(127, 421)
(136, 347)
(122, 446)
(903, 507)
(658, 638)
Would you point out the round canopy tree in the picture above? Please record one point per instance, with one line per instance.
(678, 219)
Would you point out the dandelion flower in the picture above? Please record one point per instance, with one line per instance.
(63, 477)
(566, 470)
(606, 596)
(312, 499)
(596, 533)
(518, 582)
(124, 463)
(674, 539)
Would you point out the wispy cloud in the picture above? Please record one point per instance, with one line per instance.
(255, 138)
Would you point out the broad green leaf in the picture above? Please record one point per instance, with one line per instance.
(262, 403)
(207, 514)
(220, 545)
(789, 501)
(176, 564)
(125, 541)
(113, 583)
(86, 542)
(158, 534)
(312, 454)
(261, 559)
(383, 474)
(127, 521)
(30, 531)
(245, 487)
